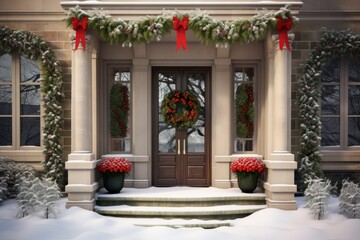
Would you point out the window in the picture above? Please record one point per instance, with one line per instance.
(120, 137)
(20, 118)
(244, 109)
(340, 104)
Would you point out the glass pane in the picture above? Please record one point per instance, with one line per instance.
(330, 100)
(30, 100)
(242, 145)
(354, 131)
(30, 131)
(167, 138)
(330, 131)
(5, 131)
(5, 68)
(354, 100)
(120, 145)
(331, 72)
(196, 134)
(166, 85)
(354, 70)
(5, 100)
(30, 71)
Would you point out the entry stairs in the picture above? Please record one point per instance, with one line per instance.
(180, 203)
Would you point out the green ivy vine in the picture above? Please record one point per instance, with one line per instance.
(332, 44)
(35, 48)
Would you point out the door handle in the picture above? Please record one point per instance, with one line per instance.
(184, 147)
(178, 146)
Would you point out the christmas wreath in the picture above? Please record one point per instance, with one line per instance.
(244, 111)
(180, 109)
(119, 104)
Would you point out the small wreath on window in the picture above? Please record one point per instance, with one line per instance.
(180, 109)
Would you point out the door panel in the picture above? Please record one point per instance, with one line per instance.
(181, 157)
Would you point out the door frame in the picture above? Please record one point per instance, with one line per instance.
(155, 119)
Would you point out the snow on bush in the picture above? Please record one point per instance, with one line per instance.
(316, 196)
(36, 194)
(11, 174)
(349, 199)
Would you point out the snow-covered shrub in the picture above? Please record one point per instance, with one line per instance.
(349, 199)
(11, 173)
(37, 194)
(316, 196)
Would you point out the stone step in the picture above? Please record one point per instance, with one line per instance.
(212, 212)
(180, 202)
(199, 197)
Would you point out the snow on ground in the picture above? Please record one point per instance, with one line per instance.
(78, 224)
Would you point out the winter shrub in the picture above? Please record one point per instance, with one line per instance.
(316, 196)
(36, 194)
(349, 199)
(11, 174)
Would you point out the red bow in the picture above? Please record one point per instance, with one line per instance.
(181, 27)
(80, 28)
(283, 27)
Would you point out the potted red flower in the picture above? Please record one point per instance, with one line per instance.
(113, 170)
(247, 170)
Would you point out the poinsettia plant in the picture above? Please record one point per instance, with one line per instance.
(247, 165)
(115, 165)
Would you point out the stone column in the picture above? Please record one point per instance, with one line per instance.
(279, 185)
(221, 119)
(81, 163)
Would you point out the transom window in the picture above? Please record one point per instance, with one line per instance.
(20, 97)
(340, 104)
(244, 109)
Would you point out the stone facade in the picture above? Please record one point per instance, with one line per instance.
(83, 71)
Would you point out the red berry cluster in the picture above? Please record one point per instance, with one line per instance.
(114, 164)
(248, 164)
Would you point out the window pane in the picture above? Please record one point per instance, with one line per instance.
(354, 131)
(330, 131)
(5, 68)
(30, 71)
(5, 131)
(330, 100)
(354, 70)
(5, 100)
(331, 72)
(30, 131)
(30, 99)
(354, 100)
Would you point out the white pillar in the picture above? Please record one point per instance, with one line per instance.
(81, 162)
(221, 119)
(279, 183)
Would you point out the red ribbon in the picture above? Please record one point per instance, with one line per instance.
(180, 27)
(80, 27)
(283, 27)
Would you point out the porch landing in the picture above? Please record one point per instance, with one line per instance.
(180, 202)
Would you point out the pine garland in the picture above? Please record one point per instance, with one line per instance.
(332, 44)
(35, 48)
(119, 105)
(208, 30)
(244, 111)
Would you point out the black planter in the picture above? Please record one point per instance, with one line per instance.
(247, 183)
(113, 182)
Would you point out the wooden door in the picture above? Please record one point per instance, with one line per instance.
(181, 157)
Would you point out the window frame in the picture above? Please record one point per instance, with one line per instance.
(16, 106)
(343, 113)
(111, 69)
(236, 67)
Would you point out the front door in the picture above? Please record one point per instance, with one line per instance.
(181, 157)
